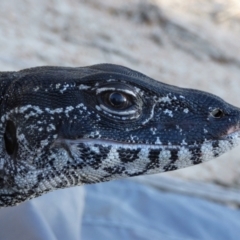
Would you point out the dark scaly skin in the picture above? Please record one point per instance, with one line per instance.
(62, 127)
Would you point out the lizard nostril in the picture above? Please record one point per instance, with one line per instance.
(10, 138)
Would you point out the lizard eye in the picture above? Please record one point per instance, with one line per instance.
(217, 113)
(10, 138)
(117, 100)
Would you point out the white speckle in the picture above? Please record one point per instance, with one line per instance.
(186, 110)
(98, 108)
(95, 149)
(65, 87)
(84, 87)
(169, 112)
(153, 130)
(68, 109)
(21, 137)
(55, 136)
(31, 107)
(165, 99)
(27, 116)
(183, 142)
(44, 142)
(93, 135)
(137, 89)
(132, 138)
(52, 111)
(80, 105)
(158, 141)
(50, 127)
(110, 80)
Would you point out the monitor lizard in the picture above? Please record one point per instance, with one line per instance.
(63, 126)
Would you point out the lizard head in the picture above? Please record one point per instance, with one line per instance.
(62, 127)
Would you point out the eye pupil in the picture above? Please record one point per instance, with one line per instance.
(117, 100)
(217, 113)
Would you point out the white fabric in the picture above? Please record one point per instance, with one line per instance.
(118, 210)
(132, 211)
(54, 216)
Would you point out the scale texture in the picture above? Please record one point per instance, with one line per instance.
(63, 127)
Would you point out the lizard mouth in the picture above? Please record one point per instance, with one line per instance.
(104, 142)
(227, 142)
(233, 131)
(79, 149)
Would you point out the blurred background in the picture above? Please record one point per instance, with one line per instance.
(189, 43)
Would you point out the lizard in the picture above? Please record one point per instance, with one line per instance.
(64, 126)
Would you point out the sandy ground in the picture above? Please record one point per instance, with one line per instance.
(189, 43)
